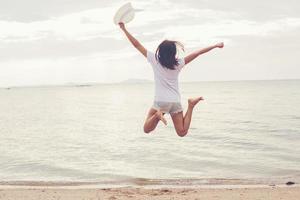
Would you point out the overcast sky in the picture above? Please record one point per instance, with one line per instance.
(75, 41)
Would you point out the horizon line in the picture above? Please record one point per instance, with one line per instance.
(132, 81)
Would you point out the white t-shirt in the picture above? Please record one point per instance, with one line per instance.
(166, 80)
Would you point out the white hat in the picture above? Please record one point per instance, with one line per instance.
(125, 14)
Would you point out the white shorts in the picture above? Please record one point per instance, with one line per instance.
(167, 107)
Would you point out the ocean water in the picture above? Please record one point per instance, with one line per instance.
(243, 130)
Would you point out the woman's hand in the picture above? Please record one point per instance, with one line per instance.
(122, 25)
(220, 45)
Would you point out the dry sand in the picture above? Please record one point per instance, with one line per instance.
(197, 193)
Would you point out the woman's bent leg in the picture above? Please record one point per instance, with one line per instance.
(182, 123)
(154, 116)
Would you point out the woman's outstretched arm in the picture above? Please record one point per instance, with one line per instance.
(134, 41)
(195, 54)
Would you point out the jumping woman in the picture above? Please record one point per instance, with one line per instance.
(166, 67)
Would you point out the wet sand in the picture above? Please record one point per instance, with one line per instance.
(163, 193)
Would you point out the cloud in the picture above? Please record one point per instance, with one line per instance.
(250, 57)
(71, 26)
(225, 29)
(55, 48)
(266, 10)
(98, 67)
(76, 34)
(39, 10)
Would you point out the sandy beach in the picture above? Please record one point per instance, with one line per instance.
(126, 193)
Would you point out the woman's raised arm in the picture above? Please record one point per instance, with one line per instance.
(134, 41)
(195, 54)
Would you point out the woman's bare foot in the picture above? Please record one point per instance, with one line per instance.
(160, 115)
(194, 101)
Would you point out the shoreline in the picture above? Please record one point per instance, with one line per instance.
(157, 183)
(246, 192)
(156, 189)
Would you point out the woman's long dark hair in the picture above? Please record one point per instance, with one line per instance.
(166, 53)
